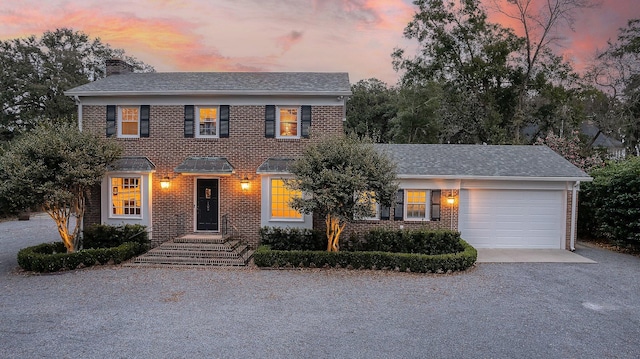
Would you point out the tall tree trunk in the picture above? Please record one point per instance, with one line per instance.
(334, 229)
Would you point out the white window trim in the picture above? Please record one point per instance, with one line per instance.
(298, 123)
(427, 209)
(197, 121)
(110, 194)
(119, 125)
(280, 219)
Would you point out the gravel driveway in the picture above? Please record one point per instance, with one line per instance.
(514, 310)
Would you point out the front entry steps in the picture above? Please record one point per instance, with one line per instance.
(197, 250)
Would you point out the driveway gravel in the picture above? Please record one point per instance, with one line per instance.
(495, 310)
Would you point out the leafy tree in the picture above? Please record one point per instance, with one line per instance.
(418, 119)
(573, 150)
(341, 178)
(369, 110)
(608, 206)
(470, 58)
(55, 166)
(35, 72)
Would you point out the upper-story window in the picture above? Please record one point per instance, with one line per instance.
(288, 122)
(129, 121)
(207, 121)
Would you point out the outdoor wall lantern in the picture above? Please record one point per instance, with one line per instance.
(451, 200)
(165, 182)
(244, 183)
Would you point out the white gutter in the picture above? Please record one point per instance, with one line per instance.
(77, 101)
(496, 178)
(574, 205)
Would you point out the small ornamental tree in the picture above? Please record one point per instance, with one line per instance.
(54, 168)
(572, 150)
(342, 179)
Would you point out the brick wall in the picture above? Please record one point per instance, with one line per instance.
(246, 148)
(448, 219)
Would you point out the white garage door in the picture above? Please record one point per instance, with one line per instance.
(512, 218)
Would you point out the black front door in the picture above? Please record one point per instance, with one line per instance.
(207, 208)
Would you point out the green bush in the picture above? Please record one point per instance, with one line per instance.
(609, 207)
(52, 257)
(413, 262)
(287, 239)
(422, 241)
(105, 236)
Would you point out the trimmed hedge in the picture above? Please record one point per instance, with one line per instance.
(421, 241)
(53, 257)
(404, 262)
(105, 236)
(289, 239)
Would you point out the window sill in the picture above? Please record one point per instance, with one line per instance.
(288, 139)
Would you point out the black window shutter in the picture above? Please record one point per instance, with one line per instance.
(385, 213)
(188, 120)
(306, 121)
(435, 205)
(111, 120)
(398, 211)
(270, 121)
(224, 121)
(144, 120)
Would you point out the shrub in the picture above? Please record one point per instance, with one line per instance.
(286, 239)
(105, 236)
(413, 262)
(52, 257)
(609, 206)
(422, 241)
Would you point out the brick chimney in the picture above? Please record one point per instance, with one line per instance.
(117, 67)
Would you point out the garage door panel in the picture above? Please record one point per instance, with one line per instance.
(512, 218)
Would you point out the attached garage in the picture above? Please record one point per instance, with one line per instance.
(490, 218)
(496, 196)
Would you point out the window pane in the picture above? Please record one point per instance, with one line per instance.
(280, 198)
(207, 118)
(288, 122)
(416, 204)
(130, 118)
(125, 196)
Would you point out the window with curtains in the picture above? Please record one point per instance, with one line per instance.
(288, 122)
(129, 121)
(207, 121)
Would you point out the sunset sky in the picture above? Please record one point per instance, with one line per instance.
(354, 36)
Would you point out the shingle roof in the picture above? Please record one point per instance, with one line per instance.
(172, 83)
(208, 165)
(480, 161)
(133, 164)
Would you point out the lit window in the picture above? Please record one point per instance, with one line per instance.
(125, 196)
(416, 204)
(280, 198)
(288, 121)
(129, 125)
(374, 208)
(207, 122)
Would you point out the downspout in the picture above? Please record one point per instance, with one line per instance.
(77, 101)
(574, 205)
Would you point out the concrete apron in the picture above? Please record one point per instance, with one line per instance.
(495, 255)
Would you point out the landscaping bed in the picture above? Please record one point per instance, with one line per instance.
(105, 244)
(422, 251)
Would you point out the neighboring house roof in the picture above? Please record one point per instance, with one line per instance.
(480, 162)
(229, 83)
(601, 140)
(132, 164)
(275, 165)
(205, 165)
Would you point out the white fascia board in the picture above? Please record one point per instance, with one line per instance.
(262, 173)
(205, 92)
(499, 178)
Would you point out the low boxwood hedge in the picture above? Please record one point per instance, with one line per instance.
(404, 262)
(53, 257)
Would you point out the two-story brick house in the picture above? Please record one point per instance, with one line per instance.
(204, 152)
